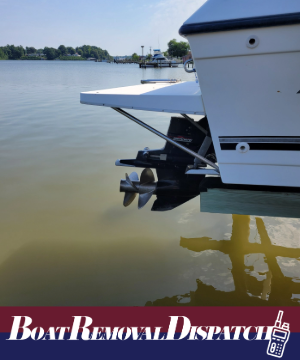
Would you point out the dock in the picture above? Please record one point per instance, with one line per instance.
(126, 62)
(144, 65)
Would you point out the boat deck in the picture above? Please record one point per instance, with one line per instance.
(182, 97)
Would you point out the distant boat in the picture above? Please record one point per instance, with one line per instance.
(159, 59)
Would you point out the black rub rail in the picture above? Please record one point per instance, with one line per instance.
(240, 24)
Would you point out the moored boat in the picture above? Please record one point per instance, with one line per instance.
(159, 60)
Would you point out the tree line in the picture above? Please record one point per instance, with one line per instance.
(12, 52)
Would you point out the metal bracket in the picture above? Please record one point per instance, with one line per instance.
(186, 63)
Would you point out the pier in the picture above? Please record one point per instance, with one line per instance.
(145, 64)
(126, 62)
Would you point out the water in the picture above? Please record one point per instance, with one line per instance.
(66, 238)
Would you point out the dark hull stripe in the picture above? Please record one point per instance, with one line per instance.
(240, 24)
(260, 139)
(263, 146)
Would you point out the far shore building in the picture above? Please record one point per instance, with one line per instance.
(35, 54)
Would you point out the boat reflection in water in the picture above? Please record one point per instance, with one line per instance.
(259, 272)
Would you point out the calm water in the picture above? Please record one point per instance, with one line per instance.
(66, 238)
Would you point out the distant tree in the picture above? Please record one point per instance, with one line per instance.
(6, 51)
(166, 53)
(135, 57)
(80, 52)
(62, 49)
(30, 50)
(13, 52)
(3, 55)
(148, 57)
(51, 53)
(178, 49)
(70, 50)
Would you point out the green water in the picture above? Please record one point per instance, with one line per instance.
(65, 237)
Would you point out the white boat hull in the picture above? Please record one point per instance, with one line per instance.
(252, 92)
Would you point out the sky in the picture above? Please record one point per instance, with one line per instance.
(118, 26)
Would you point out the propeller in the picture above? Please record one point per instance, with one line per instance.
(132, 185)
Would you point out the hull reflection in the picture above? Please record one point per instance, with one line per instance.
(257, 276)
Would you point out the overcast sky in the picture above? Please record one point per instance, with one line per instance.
(119, 26)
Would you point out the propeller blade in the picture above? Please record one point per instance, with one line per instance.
(128, 198)
(147, 176)
(133, 176)
(144, 198)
